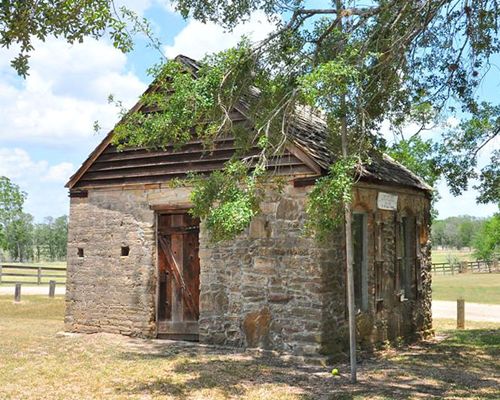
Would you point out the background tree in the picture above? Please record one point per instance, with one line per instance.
(355, 66)
(19, 237)
(50, 239)
(457, 232)
(487, 241)
(11, 206)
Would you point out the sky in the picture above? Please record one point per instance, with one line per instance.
(46, 120)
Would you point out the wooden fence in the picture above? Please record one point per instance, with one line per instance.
(31, 274)
(475, 267)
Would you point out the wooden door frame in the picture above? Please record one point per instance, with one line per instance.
(165, 210)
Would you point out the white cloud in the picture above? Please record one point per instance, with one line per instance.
(43, 182)
(465, 204)
(198, 39)
(65, 93)
(59, 173)
(17, 165)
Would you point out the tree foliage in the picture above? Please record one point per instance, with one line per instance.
(487, 240)
(355, 66)
(20, 236)
(11, 206)
(457, 232)
(23, 21)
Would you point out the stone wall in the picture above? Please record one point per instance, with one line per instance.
(267, 287)
(271, 287)
(107, 292)
(274, 288)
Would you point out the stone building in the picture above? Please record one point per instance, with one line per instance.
(140, 265)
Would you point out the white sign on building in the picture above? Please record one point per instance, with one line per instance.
(387, 201)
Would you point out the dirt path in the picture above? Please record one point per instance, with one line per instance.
(473, 311)
(32, 290)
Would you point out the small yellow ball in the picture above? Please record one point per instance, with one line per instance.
(335, 372)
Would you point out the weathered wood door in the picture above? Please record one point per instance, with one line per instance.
(179, 277)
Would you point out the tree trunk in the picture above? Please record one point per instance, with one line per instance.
(348, 241)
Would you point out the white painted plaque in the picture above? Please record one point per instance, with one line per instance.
(387, 201)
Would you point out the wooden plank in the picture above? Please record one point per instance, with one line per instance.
(175, 168)
(193, 141)
(139, 181)
(176, 252)
(192, 271)
(177, 273)
(164, 159)
(180, 208)
(159, 161)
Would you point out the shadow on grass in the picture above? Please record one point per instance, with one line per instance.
(465, 364)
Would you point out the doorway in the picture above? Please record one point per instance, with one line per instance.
(178, 289)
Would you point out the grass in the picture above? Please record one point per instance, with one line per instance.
(37, 364)
(33, 278)
(474, 288)
(451, 255)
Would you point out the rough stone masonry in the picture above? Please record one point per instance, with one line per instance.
(271, 287)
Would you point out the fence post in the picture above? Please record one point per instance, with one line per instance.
(460, 314)
(52, 288)
(17, 293)
(39, 277)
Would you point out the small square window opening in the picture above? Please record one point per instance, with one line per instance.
(125, 251)
(80, 252)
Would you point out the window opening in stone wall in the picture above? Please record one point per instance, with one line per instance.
(407, 236)
(80, 252)
(125, 251)
(360, 260)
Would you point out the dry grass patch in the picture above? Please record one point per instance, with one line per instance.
(37, 364)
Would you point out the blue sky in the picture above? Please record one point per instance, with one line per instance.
(46, 120)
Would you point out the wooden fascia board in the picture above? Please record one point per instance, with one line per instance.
(89, 161)
(302, 156)
(102, 146)
(296, 151)
(292, 148)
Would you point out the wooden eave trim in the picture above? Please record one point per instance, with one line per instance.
(302, 156)
(105, 142)
(177, 208)
(394, 187)
(89, 161)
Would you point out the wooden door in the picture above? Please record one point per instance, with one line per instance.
(179, 277)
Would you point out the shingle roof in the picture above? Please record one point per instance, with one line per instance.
(309, 132)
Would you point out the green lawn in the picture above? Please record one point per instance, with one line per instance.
(35, 364)
(450, 255)
(474, 288)
(33, 273)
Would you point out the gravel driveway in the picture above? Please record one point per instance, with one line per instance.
(32, 290)
(440, 309)
(473, 311)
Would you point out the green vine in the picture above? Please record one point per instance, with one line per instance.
(227, 200)
(325, 206)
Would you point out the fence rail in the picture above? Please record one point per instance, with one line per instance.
(39, 275)
(475, 267)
